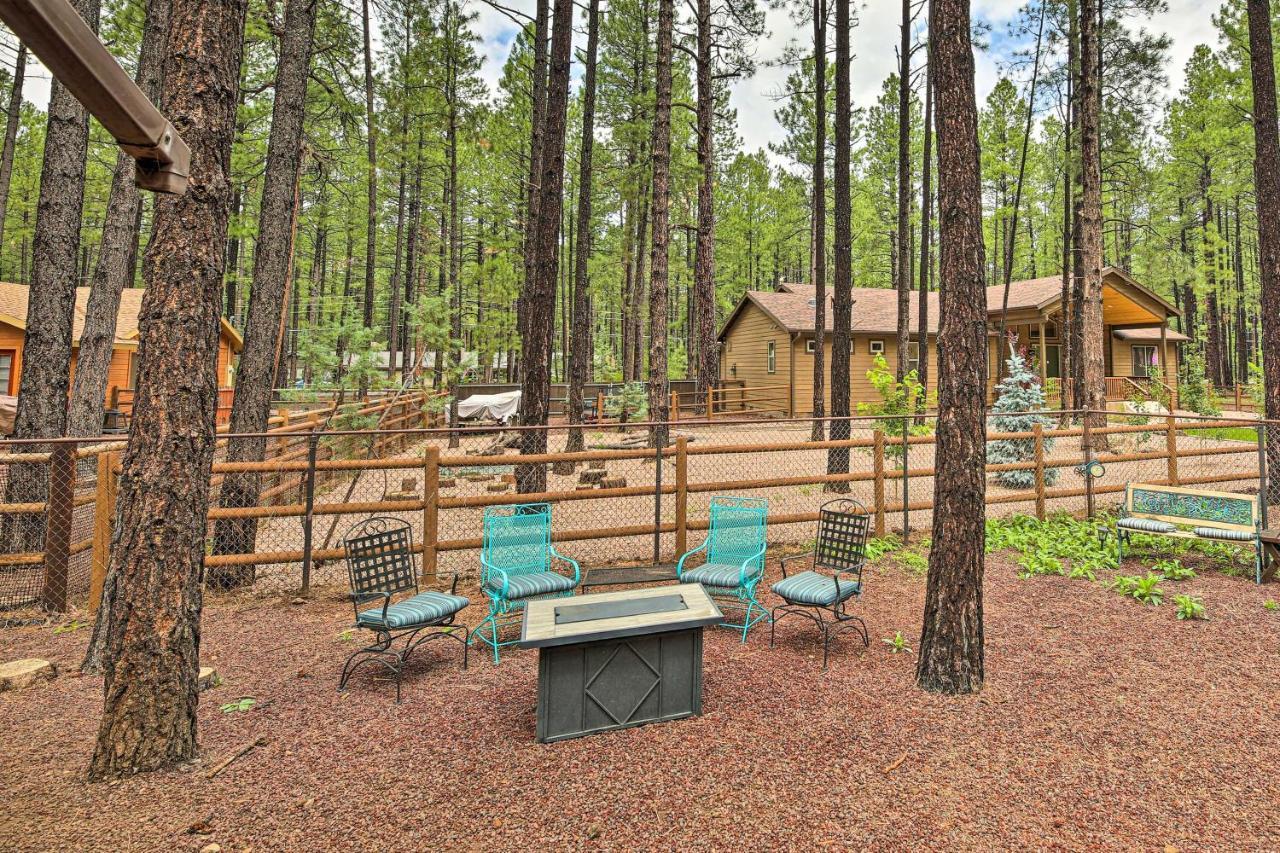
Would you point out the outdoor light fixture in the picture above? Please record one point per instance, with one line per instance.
(56, 33)
(1090, 470)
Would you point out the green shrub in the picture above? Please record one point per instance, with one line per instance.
(1189, 607)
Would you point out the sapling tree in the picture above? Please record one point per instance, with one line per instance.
(1018, 408)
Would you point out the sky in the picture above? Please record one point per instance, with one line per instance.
(874, 42)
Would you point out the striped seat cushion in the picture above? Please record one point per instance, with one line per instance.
(1146, 525)
(718, 575)
(422, 609)
(530, 584)
(1225, 535)
(814, 589)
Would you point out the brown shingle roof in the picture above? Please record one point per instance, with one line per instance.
(13, 310)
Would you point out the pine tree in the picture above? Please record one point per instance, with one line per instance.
(1019, 400)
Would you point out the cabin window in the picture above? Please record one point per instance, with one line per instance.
(810, 345)
(1145, 362)
(728, 346)
(773, 357)
(875, 347)
(6, 371)
(913, 357)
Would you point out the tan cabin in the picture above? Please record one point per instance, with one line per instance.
(122, 371)
(769, 340)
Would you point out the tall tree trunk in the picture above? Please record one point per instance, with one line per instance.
(272, 266)
(661, 144)
(538, 299)
(704, 274)
(1066, 341)
(371, 219)
(119, 243)
(13, 117)
(51, 301)
(903, 256)
(842, 301)
(951, 641)
(153, 645)
(926, 236)
(455, 232)
(580, 340)
(1266, 177)
(537, 124)
(1092, 332)
(819, 217)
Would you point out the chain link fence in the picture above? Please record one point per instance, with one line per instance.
(276, 526)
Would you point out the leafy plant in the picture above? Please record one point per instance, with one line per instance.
(347, 635)
(1083, 572)
(242, 704)
(631, 402)
(1124, 584)
(916, 563)
(897, 643)
(1147, 590)
(70, 627)
(1174, 570)
(1039, 563)
(902, 399)
(1189, 607)
(877, 548)
(1271, 604)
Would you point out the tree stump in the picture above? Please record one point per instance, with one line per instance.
(19, 674)
(497, 487)
(208, 679)
(613, 483)
(591, 477)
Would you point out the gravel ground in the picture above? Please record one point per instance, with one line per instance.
(1104, 724)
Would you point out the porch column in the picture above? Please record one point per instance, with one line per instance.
(1044, 353)
(1164, 363)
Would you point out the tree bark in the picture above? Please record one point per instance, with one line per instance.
(658, 259)
(119, 243)
(537, 130)
(951, 641)
(842, 301)
(13, 117)
(538, 299)
(153, 645)
(371, 219)
(47, 347)
(926, 237)
(272, 266)
(580, 341)
(1266, 175)
(903, 256)
(1091, 331)
(704, 273)
(819, 217)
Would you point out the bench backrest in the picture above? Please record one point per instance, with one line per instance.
(1177, 505)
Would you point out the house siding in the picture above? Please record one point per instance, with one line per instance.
(746, 347)
(860, 388)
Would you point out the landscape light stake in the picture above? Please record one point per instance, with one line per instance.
(63, 42)
(906, 480)
(313, 444)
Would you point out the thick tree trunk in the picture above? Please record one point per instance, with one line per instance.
(51, 300)
(580, 341)
(658, 272)
(1266, 176)
(951, 641)
(819, 217)
(704, 273)
(903, 256)
(272, 266)
(13, 116)
(533, 193)
(371, 218)
(842, 301)
(538, 299)
(153, 645)
(119, 244)
(455, 231)
(1091, 330)
(926, 237)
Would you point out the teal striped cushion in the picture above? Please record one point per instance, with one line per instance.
(422, 609)
(531, 584)
(716, 575)
(1146, 525)
(1225, 535)
(815, 589)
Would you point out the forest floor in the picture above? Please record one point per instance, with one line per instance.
(1104, 723)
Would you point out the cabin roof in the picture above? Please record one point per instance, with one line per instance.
(13, 311)
(875, 309)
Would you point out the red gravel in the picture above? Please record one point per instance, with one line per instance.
(1104, 723)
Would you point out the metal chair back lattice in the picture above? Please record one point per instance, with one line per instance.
(735, 548)
(838, 557)
(517, 564)
(380, 565)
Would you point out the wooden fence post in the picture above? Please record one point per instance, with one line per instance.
(1171, 448)
(710, 403)
(599, 407)
(675, 405)
(1039, 444)
(430, 510)
(57, 532)
(1237, 384)
(104, 513)
(879, 482)
(682, 493)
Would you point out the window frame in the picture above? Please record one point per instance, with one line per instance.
(771, 357)
(875, 346)
(810, 345)
(1146, 362)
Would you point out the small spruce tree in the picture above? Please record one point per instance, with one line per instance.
(1018, 408)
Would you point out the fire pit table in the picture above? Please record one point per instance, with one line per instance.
(612, 660)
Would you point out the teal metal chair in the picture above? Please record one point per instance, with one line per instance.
(517, 565)
(734, 563)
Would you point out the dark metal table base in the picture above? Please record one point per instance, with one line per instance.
(598, 686)
(627, 575)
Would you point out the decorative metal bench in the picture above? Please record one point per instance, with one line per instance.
(1227, 517)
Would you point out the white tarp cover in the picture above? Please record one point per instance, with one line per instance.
(496, 406)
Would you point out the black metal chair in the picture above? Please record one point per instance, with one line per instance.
(380, 562)
(841, 550)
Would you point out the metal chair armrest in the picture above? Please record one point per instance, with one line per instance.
(577, 572)
(489, 568)
(686, 555)
(453, 588)
(742, 569)
(793, 557)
